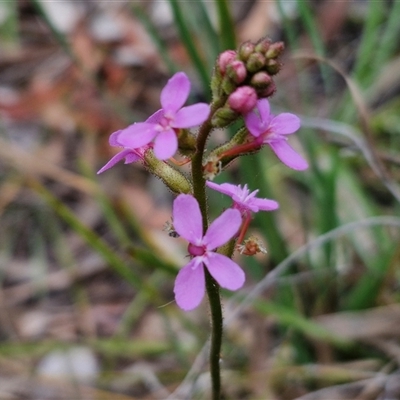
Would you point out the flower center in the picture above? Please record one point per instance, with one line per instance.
(196, 250)
(166, 120)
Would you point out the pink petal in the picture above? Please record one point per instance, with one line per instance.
(137, 135)
(225, 271)
(264, 109)
(165, 144)
(190, 285)
(285, 124)
(254, 124)
(131, 157)
(118, 157)
(175, 92)
(156, 117)
(225, 188)
(288, 156)
(190, 116)
(222, 229)
(187, 218)
(113, 138)
(264, 204)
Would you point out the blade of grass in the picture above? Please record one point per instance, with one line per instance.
(367, 290)
(369, 40)
(187, 39)
(291, 319)
(311, 27)
(59, 36)
(270, 278)
(94, 241)
(9, 24)
(156, 37)
(198, 17)
(266, 221)
(288, 26)
(106, 347)
(226, 25)
(388, 42)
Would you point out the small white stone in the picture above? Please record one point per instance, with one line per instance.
(78, 363)
(64, 15)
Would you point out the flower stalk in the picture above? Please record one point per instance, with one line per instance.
(241, 82)
(212, 288)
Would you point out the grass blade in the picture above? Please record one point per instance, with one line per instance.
(187, 39)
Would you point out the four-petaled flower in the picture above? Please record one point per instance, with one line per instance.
(190, 283)
(129, 154)
(272, 130)
(244, 200)
(166, 122)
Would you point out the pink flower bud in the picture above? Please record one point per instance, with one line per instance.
(236, 70)
(243, 99)
(225, 58)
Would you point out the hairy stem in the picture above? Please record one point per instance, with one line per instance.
(216, 334)
(212, 287)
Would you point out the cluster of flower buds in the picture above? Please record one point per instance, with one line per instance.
(242, 77)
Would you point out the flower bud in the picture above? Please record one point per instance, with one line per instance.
(224, 59)
(261, 80)
(227, 85)
(268, 91)
(243, 99)
(173, 179)
(275, 50)
(245, 50)
(263, 45)
(186, 143)
(236, 70)
(255, 62)
(273, 66)
(224, 116)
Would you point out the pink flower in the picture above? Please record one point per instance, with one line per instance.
(165, 123)
(130, 155)
(190, 282)
(244, 200)
(272, 130)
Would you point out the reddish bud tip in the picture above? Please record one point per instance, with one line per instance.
(225, 58)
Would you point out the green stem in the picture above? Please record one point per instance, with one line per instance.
(212, 287)
(199, 183)
(216, 334)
